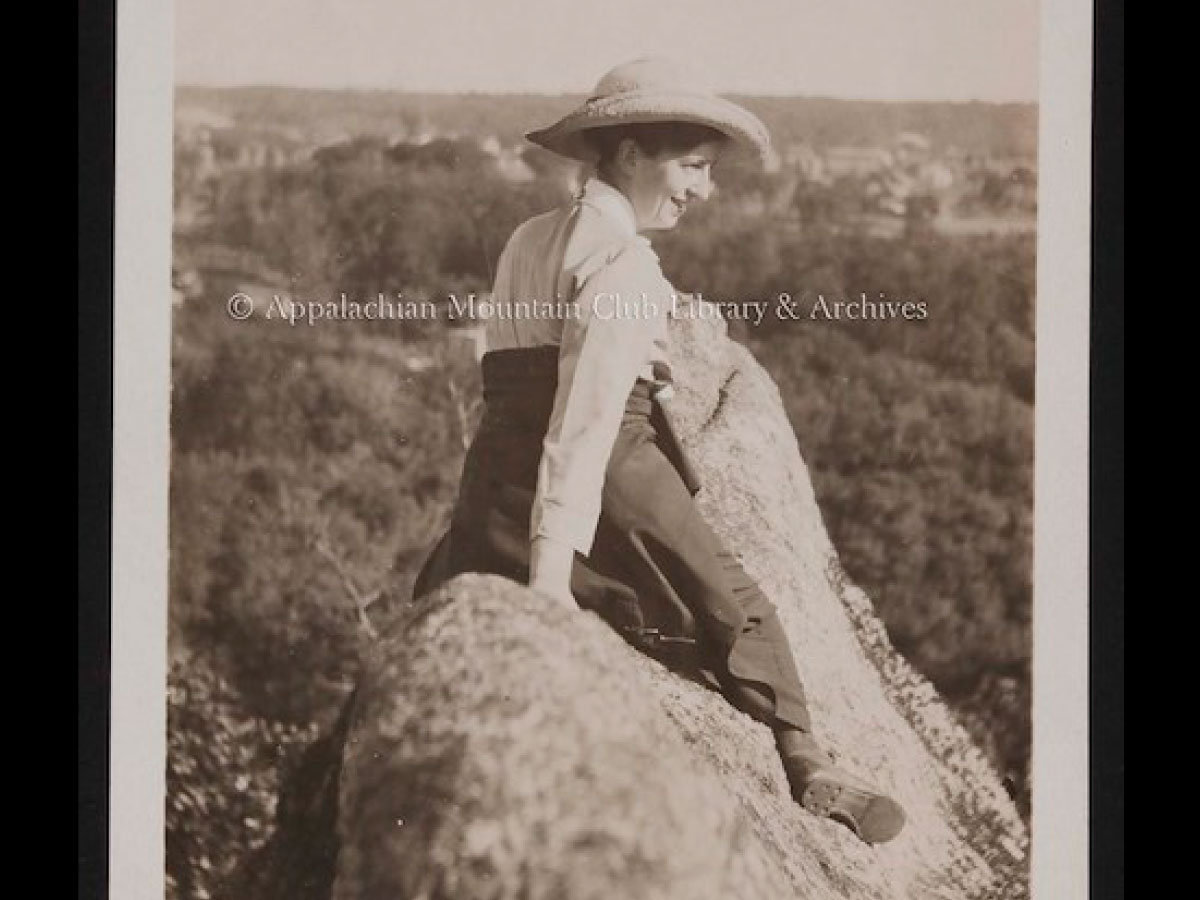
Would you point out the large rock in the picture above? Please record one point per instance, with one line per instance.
(504, 748)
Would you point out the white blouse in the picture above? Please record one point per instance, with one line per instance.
(581, 278)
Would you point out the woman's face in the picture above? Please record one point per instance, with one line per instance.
(662, 187)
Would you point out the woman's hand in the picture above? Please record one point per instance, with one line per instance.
(550, 570)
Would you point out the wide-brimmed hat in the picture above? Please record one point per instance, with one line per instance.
(645, 91)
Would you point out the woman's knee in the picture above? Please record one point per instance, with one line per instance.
(643, 490)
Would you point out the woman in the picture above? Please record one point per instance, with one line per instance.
(575, 482)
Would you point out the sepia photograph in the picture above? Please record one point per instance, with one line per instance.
(602, 450)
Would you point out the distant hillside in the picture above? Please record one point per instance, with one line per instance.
(994, 129)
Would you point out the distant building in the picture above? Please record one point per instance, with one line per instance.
(239, 148)
(910, 140)
(186, 284)
(195, 118)
(1022, 188)
(805, 160)
(856, 161)
(512, 166)
(510, 162)
(910, 150)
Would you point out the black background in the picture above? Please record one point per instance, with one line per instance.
(1107, 563)
(95, 435)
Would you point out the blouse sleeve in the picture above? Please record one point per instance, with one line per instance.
(603, 350)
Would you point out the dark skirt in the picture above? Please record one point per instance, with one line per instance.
(657, 572)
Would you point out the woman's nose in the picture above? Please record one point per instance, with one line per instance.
(703, 185)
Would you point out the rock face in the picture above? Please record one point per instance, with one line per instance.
(502, 748)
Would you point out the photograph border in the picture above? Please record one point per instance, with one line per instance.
(141, 444)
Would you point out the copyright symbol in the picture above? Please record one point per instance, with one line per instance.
(240, 306)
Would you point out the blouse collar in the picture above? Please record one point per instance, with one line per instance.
(611, 202)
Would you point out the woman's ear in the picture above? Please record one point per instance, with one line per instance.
(627, 156)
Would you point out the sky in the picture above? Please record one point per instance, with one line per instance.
(859, 49)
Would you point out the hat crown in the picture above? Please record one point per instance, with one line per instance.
(645, 91)
(650, 73)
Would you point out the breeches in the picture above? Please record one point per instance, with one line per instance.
(657, 572)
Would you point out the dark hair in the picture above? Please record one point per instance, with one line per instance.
(655, 138)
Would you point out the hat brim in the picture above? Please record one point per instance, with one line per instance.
(566, 137)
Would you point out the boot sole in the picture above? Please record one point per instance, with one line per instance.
(874, 818)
